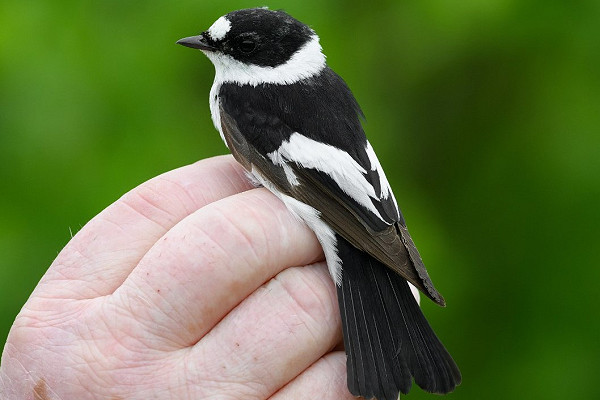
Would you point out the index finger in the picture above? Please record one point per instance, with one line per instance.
(100, 256)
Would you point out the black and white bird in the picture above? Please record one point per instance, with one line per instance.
(295, 126)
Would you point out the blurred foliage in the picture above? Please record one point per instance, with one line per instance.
(485, 115)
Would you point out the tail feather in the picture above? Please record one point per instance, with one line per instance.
(388, 340)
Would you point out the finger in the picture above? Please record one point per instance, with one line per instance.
(210, 262)
(274, 335)
(103, 253)
(324, 380)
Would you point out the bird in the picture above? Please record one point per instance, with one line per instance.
(296, 128)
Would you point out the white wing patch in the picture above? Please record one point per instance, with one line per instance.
(219, 28)
(312, 218)
(308, 61)
(386, 190)
(277, 159)
(336, 163)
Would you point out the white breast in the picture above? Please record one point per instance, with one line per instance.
(214, 108)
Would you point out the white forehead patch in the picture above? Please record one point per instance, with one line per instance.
(219, 29)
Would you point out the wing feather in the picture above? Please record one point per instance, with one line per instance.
(391, 245)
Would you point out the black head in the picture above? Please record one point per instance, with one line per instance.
(257, 36)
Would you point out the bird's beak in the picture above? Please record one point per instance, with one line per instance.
(196, 42)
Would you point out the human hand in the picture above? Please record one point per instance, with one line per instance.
(191, 286)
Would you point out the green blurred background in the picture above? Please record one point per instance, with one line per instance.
(485, 115)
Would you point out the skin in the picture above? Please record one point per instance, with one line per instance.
(193, 285)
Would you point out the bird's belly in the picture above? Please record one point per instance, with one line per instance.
(312, 218)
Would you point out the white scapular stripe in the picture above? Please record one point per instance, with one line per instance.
(306, 62)
(312, 218)
(386, 190)
(219, 28)
(336, 163)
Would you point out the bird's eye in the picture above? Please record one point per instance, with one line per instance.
(247, 46)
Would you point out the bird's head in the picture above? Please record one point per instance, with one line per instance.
(259, 45)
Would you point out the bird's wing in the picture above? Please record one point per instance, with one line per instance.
(345, 184)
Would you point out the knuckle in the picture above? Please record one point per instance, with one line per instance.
(311, 294)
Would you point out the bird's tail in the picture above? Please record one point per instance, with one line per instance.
(388, 341)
